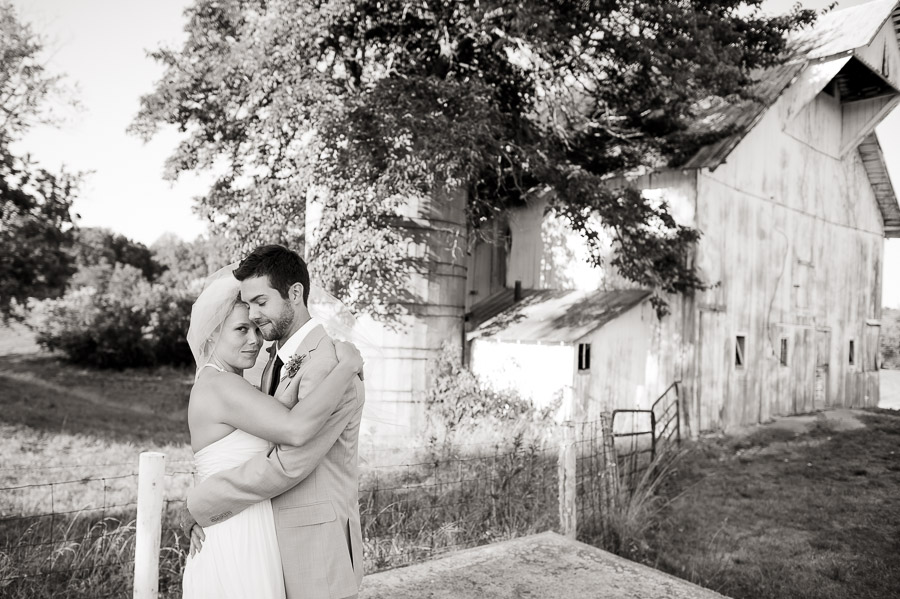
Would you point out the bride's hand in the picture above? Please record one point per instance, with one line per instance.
(349, 356)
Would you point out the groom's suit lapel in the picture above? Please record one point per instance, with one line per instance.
(309, 344)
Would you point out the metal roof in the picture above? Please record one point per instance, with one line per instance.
(493, 305)
(841, 31)
(739, 117)
(873, 161)
(836, 33)
(558, 317)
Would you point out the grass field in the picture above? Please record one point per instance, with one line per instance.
(772, 514)
(776, 514)
(83, 431)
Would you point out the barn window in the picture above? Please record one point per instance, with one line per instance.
(739, 351)
(584, 356)
(783, 356)
(852, 353)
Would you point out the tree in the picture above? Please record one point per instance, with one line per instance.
(364, 103)
(35, 205)
(97, 250)
(188, 262)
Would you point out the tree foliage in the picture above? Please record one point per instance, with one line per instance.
(35, 205)
(97, 250)
(365, 103)
(188, 263)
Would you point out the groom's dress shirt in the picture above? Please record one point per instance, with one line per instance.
(313, 485)
(290, 346)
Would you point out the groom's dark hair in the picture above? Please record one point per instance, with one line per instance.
(282, 266)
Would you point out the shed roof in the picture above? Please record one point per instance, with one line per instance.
(554, 316)
(493, 305)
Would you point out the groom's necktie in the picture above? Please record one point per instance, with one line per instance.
(276, 374)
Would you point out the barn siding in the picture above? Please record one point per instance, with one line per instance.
(792, 234)
(882, 54)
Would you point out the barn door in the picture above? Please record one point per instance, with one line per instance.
(803, 370)
(712, 369)
(823, 357)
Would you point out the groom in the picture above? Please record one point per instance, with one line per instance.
(313, 486)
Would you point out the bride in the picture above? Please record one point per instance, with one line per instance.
(230, 421)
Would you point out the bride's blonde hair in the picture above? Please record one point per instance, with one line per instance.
(218, 298)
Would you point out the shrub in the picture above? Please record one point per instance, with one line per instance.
(460, 406)
(130, 322)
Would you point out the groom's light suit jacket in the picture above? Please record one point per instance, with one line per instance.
(313, 486)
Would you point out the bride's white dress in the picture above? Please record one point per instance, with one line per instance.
(240, 557)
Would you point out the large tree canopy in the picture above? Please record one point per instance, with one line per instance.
(364, 103)
(35, 205)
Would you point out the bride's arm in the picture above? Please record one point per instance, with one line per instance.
(241, 405)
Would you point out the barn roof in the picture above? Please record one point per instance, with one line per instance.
(873, 161)
(557, 316)
(827, 50)
(834, 35)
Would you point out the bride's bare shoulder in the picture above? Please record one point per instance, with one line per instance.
(213, 384)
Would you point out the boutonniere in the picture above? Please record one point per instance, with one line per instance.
(293, 365)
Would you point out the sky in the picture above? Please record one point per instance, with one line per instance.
(101, 47)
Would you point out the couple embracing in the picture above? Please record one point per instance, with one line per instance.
(276, 513)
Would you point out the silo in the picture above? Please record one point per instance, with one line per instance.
(399, 371)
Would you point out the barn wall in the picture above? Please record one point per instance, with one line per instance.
(792, 238)
(634, 358)
(537, 371)
(883, 55)
(486, 262)
(545, 253)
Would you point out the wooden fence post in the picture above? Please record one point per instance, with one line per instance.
(567, 468)
(148, 527)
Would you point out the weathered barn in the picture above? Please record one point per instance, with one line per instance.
(793, 208)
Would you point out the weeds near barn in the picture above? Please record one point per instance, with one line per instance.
(638, 506)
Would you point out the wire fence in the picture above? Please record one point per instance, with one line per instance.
(446, 501)
(67, 538)
(618, 460)
(75, 537)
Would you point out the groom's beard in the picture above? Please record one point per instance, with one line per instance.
(275, 330)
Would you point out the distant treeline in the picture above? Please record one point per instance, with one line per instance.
(125, 304)
(890, 338)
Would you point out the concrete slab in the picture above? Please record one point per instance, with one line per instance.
(532, 567)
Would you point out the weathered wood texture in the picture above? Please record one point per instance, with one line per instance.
(793, 240)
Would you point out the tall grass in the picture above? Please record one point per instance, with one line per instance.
(69, 558)
(440, 499)
(450, 499)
